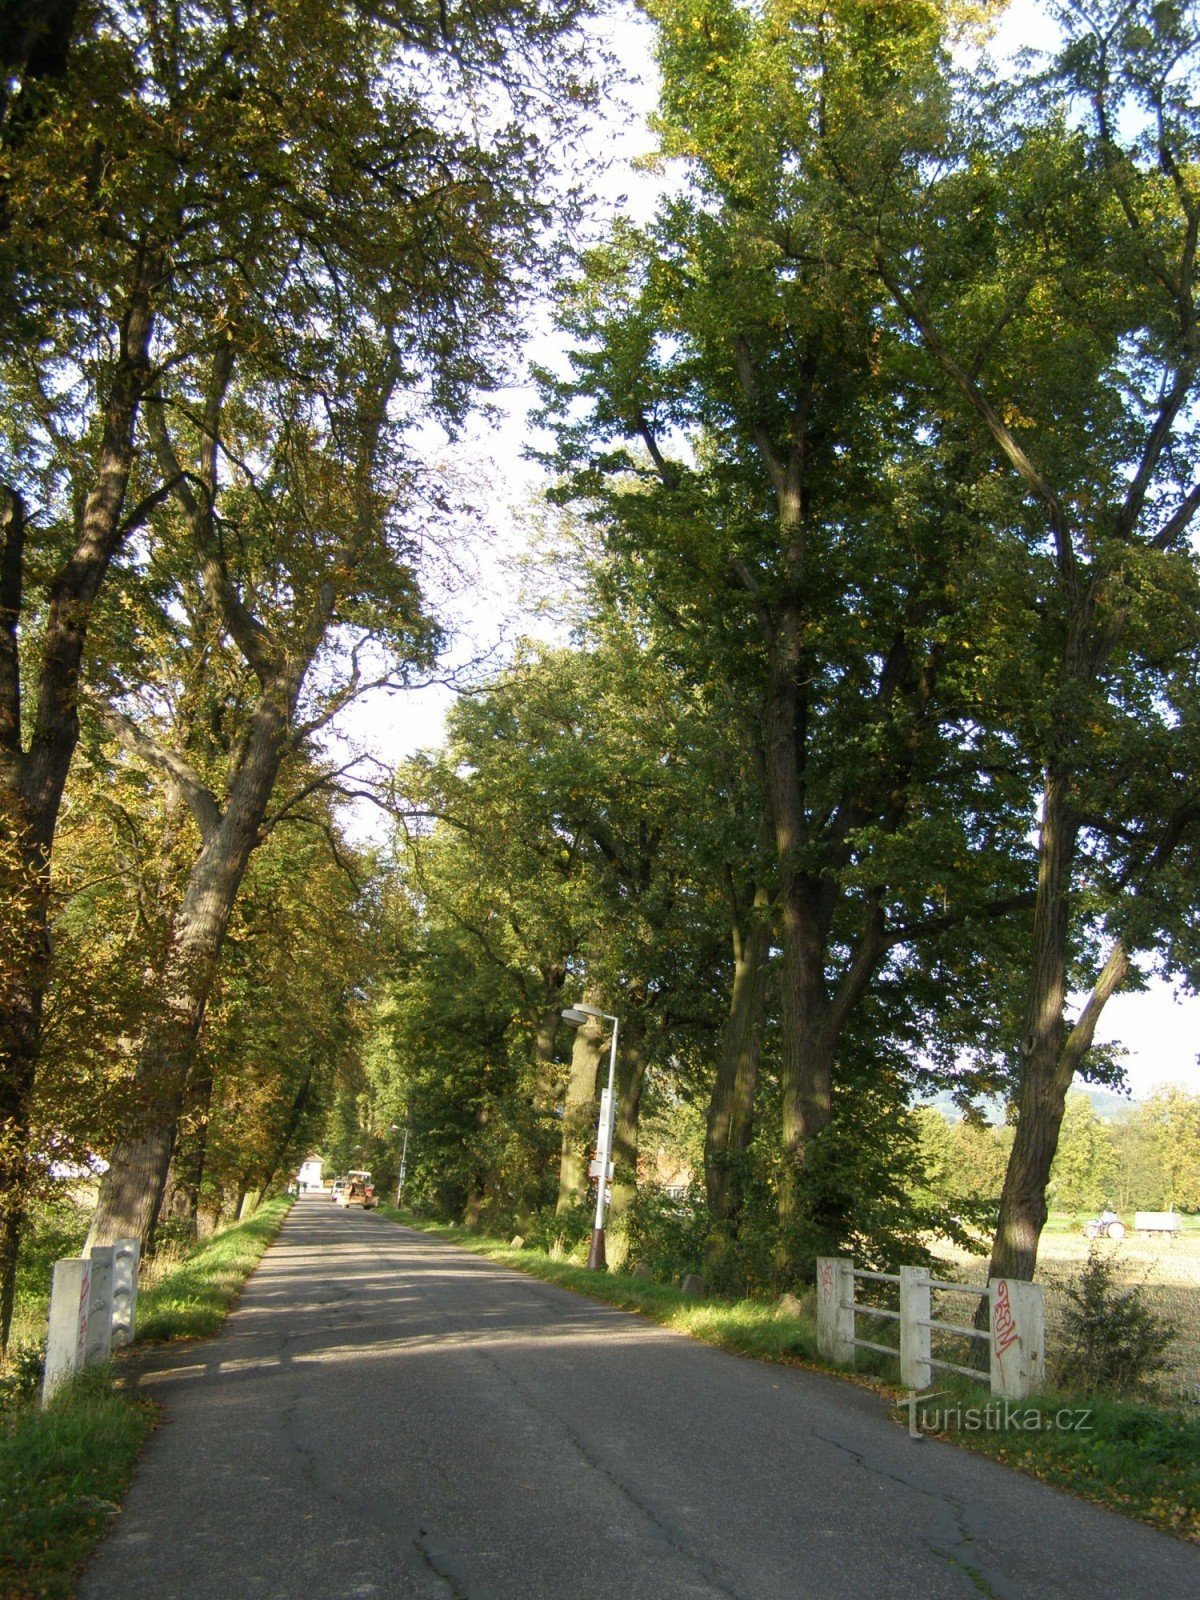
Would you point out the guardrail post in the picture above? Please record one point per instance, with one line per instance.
(126, 1255)
(100, 1306)
(915, 1333)
(835, 1309)
(1018, 1337)
(66, 1343)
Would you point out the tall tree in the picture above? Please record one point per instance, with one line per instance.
(194, 177)
(1043, 250)
(824, 508)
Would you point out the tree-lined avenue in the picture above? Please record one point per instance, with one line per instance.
(389, 1415)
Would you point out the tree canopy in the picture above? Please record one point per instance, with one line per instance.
(868, 743)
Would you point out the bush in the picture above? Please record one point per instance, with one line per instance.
(1112, 1341)
(667, 1234)
(561, 1232)
(22, 1377)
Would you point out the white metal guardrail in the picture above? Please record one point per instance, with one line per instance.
(1014, 1333)
(93, 1306)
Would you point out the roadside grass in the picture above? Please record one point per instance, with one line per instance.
(55, 1229)
(65, 1470)
(63, 1473)
(188, 1298)
(1133, 1457)
(1141, 1459)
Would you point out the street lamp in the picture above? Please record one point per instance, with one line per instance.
(395, 1128)
(577, 1016)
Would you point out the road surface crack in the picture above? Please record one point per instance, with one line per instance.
(957, 1544)
(453, 1588)
(707, 1572)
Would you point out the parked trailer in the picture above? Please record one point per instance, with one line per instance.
(1155, 1222)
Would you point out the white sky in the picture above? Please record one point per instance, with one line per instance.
(1160, 1033)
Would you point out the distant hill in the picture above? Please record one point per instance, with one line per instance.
(1105, 1104)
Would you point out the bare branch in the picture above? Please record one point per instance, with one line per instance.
(1179, 522)
(663, 467)
(323, 780)
(912, 931)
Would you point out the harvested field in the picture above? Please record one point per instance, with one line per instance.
(1169, 1269)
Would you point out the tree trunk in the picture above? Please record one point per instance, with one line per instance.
(580, 1111)
(1040, 1101)
(546, 1075)
(192, 1154)
(806, 1055)
(131, 1190)
(477, 1191)
(730, 1121)
(24, 886)
(1052, 1051)
(806, 1071)
(544, 1096)
(32, 777)
(290, 1129)
(631, 1080)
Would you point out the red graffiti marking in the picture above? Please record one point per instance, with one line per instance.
(1004, 1327)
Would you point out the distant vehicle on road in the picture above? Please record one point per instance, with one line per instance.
(356, 1190)
(1107, 1225)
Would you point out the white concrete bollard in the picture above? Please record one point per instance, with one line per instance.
(100, 1305)
(66, 1344)
(835, 1309)
(1018, 1337)
(915, 1341)
(126, 1256)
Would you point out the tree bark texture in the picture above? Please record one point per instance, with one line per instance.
(632, 1056)
(1052, 1050)
(545, 1068)
(579, 1111)
(730, 1120)
(289, 1131)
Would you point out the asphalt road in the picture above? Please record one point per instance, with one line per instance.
(387, 1415)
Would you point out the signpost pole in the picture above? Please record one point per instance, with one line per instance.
(597, 1258)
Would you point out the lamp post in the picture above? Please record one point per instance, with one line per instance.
(576, 1016)
(395, 1128)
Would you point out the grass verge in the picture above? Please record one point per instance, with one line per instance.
(64, 1470)
(1139, 1459)
(1143, 1460)
(190, 1299)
